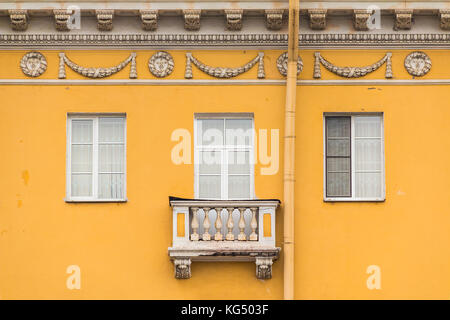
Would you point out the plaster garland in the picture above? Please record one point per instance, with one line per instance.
(96, 72)
(417, 63)
(223, 72)
(352, 72)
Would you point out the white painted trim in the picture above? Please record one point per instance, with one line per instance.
(223, 149)
(94, 117)
(352, 159)
(185, 82)
(225, 203)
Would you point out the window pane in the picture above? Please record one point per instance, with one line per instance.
(338, 165)
(239, 187)
(81, 158)
(82, 131)
(111, 158)
(338, 127)
(368, 185)
(210, 131)
(338, 185)
(210, 162)
(209, 187)
(110, 186)
(368, 154)
(81, 185)
(239, 132)
(368, 126)
(338, 147)
(238, 162)
(111, 130)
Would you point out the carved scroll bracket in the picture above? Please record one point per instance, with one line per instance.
(223, 72)
(352, 72)
(96, 73)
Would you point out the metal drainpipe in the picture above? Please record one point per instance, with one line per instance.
(289, 150)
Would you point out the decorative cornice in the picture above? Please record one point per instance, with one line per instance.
(444, 19)
(317, 19)
(104, 19)
(361, 19)
(149, 19)
(19, 19)
(192, 19)
(234, 19)
(374, 40)
(403, 19)
(62, 17)
(274, 19)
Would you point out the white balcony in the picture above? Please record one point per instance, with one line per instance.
(244, 230)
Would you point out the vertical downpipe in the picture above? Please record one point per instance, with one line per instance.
(289, 150)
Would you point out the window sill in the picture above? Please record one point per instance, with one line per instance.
(95, 200)
(354, 200)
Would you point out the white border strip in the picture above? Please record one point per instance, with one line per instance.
(206, 82)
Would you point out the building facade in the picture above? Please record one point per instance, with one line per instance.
(122, 123)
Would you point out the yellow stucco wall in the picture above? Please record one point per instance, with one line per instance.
(121, 248)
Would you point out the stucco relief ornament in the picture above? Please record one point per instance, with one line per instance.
(224, 72)
(96, 73)
(33, 64)
(352, 72)
(417, 63)
(161, 64)
(282, 64)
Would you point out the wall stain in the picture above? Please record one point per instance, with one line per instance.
(25, 177)
(19, 203)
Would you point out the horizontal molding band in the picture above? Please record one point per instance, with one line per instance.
(205, 82)
(402, 40)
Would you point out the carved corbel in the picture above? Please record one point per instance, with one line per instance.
(317, 19)
(274, 19)
(403, 19)
(361, 19)
(192, 19)
(264, 268)
(149, 19)
(104, 19)
(234, 19)
(182, 268)
(62, 17)
(444, 18)
(19, 19)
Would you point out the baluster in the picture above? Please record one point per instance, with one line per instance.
(230, 225)
(242, 236)
(253, 225)
(194, 225)
(218, 236)
(206, 225)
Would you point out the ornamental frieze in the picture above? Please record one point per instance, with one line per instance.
(351, 72)
(96, 73)
(161, 64)
(33, 64)
(224, 72)
(418, 63)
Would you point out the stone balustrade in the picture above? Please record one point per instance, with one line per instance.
(223, 230)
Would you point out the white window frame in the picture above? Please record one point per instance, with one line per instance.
(224, 151)
(352, 116)
(95, 163)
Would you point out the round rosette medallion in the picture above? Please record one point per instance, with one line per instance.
(161, 64)
(417, 63)
(33, 64)
(282, 64)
